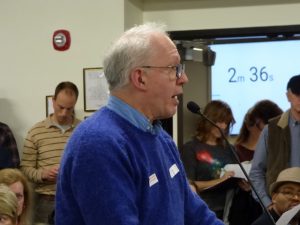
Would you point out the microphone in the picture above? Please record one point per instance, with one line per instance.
(194, 108)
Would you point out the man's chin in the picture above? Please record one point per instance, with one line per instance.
(62, 122)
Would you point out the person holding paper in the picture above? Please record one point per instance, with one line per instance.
(205, 156)
(285, 194)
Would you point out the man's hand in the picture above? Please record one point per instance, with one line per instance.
(50, 174)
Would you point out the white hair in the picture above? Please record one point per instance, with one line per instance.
(131, 50)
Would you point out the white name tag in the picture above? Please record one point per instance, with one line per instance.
(173, 170)
(152, 179)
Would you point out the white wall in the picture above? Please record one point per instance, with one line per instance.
(31, 68)
(213, 14)
(133, 13)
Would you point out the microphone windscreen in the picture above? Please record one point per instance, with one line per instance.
(193, 107)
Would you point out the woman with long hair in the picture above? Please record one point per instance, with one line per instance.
(254, 121)
(207, 153)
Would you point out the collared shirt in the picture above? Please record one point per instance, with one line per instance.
(132, 115)
(43, 147)
(258, 175)
(63, 128)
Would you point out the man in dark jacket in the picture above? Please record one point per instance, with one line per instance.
(285, 193)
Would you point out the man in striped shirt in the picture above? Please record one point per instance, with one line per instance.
(44, 146)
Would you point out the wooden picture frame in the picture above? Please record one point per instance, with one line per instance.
(95, 89)
(49, 105)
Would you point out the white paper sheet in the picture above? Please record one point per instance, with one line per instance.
(288, 215)
(237, 169)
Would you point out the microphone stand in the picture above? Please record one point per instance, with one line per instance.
(240, 165)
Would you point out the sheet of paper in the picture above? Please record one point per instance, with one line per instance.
(237, 169)
(288, 215)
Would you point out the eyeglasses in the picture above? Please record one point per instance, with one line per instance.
(290, 195)
(180, 69)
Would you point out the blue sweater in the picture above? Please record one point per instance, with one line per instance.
(116, 174)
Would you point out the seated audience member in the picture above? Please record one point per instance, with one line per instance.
(18, 183)
(285, 194)
(255, 120)
(207, 153)
(8, 206)
(9, 155)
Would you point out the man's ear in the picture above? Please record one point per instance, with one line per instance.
(138, 78)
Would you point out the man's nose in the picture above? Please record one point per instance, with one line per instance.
(183, 79)
(64, 112)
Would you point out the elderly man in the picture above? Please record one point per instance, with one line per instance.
(120, 167)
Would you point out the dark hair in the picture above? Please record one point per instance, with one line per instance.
(68, 86)
(263, 110)
(217, 111)
(294, 85)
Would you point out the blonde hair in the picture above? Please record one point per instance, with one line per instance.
(11, 176)
(8, 203)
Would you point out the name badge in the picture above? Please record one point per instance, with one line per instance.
(152, 180)
(173, 170)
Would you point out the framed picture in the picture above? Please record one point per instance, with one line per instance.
(49, 105)
(95, 89)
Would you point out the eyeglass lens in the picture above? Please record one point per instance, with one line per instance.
(291, 194)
